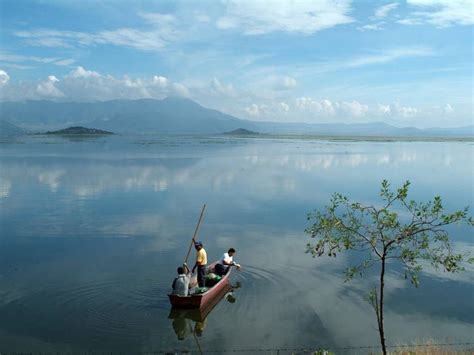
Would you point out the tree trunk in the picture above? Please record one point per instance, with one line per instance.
(381, 328)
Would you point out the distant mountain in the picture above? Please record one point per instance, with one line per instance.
(9, 129)
(170, 115)
(241, 132)
(377, 129)
(79, 131)
(181, 116)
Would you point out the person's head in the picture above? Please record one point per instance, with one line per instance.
(198, 245)
(231, 251)
(180, 270)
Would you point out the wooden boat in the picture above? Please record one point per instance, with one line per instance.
(204, 300)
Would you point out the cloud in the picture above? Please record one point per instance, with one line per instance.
(11, 59)
(284, 83)
(65, 62)
(331, 108)
(160, 81)
(47, 88)
(284, 106)
(355, 108)
(440, 13)
(80, 72)
(160, 34)
(448, 109)
(397, 110)
(4, 77)
(223, 89)
(81, 84)
(180, 89)
(383, 11)
(371, 27)
(253, 110)
(306, 17)
(390, 55)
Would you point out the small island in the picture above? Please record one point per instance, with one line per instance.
(82, 131)
(242, 132)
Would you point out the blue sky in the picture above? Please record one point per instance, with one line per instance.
(402, 62)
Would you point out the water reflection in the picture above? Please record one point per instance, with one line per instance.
(193, 322)
(120, 210)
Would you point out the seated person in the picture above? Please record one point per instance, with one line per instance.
(181, 283)
(226, 261)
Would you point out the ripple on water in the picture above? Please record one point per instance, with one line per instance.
(96, 310)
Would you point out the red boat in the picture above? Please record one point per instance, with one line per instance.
(203, 300)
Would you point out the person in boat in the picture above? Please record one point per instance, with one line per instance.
(200, 265)
(181, 282)
(226, 262)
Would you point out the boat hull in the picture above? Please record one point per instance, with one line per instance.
(206, 299)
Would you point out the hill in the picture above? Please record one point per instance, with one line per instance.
(241, 132)
(183, 116)
(170, 115)
(79, 131)
(9, 129)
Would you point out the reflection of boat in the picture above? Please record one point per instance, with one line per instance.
(183, 319)
(204, 300)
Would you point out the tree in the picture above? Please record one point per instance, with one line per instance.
(399, 229)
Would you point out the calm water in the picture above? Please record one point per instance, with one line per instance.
(92, 231)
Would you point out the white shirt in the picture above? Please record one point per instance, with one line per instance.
(181, 285)
(227, 258)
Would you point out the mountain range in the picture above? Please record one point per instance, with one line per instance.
(174, 115)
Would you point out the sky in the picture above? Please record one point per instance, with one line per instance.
(406, 62)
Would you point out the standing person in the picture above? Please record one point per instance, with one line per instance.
(201, 262)
(225, 262)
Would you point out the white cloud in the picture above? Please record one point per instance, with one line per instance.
(384, 10)
(65, 62)
(80, 72)
(11, 60)
(355, 108)
(390, 55)
(180, 89)
(278, 83)
(284, 106)
(162, 32)
(323, 107)
(160, 81)
(253, 110)
(397, 110)
(331, 108)
(223, 89)
(81, 84)
(4, 77)
(384, 109)
(440, 13)
(307, 17)
(288, 82)
(47, 88)
(448, 109)
(371, 27)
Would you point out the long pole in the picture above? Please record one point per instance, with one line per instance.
(195, 233)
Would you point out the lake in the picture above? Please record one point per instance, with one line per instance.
(92, 231)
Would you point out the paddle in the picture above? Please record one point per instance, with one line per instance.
(194, 235)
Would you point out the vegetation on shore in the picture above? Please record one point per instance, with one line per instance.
(242, 132)
(78, 130)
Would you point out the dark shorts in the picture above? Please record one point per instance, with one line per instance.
(221, 269)
(201, 275)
